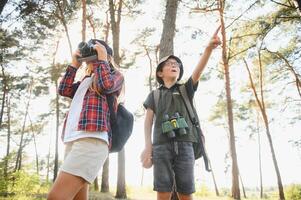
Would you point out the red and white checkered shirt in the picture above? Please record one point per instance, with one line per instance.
(95, 114)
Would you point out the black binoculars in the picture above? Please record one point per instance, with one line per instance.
(174, 124)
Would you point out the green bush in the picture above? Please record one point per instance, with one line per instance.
(293, 192)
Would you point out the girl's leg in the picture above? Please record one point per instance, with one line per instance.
(163, 195)
(83, 193)
(66, 187)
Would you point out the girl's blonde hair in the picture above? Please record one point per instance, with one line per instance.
(89, 72)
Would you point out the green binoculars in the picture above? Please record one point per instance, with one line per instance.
(174, 124)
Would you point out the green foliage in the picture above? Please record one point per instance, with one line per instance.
(203, 191)
(293, 192)
(22, 185)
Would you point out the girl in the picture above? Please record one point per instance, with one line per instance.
(87, 124)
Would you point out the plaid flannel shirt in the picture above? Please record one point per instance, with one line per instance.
(95, 114)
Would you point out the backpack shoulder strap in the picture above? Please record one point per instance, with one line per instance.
(156, 94)
(188, 105)
(110, 101)
(194, 119)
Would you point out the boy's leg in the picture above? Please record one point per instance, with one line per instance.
(163, 171)
(184, 170)
(163, 195)
(185, 196)
(66, 186)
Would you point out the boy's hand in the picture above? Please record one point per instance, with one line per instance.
(146, 158)
(215, 40)
(75, 62)
(101, 51)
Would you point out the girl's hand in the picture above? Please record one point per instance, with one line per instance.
(215, 40)
(75, 62)
(101, 51)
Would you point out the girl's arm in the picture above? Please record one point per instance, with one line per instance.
(108, 81)
(66, 87)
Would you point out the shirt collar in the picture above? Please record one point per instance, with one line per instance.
(172, 87)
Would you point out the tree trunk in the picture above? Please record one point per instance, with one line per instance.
(261, 105)
(266, 123)
(259, 159)
(35, 145)
(96, 185)
(62, 19)
(20, 150)
(235, 179)
(115, 26)
(84, 17)
(243, 187)
(56, 158)
(121, 189)
(169, 26)
(150, 69)
(105, 177)
(214, 181)
(48, 161)
(8, 138)
(90, 20)
(106, 29)
(4, 90)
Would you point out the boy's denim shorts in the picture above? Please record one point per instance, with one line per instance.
(169, 166)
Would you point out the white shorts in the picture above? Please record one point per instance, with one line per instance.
(84, 158)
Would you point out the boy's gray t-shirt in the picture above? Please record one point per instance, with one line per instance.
(170, 102)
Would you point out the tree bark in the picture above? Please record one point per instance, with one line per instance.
(8, 138)
(62, 19)
(259, 159)
(57, 111)
(105, 187)
(20, 150)
(56, 157)
(235, 179)
(150, 69)
(169, 27)
(121, 189)
(115, 26)
(243, 187)
(84, 17)
(4, 90)
(96, 185)
(261, 105)
(35, 145)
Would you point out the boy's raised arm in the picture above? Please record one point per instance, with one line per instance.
(214, 42)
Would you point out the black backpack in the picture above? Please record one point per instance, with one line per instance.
(121, 125)
(199, 146)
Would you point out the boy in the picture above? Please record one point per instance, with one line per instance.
(172, 154)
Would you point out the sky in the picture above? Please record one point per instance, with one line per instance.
(189, 50)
